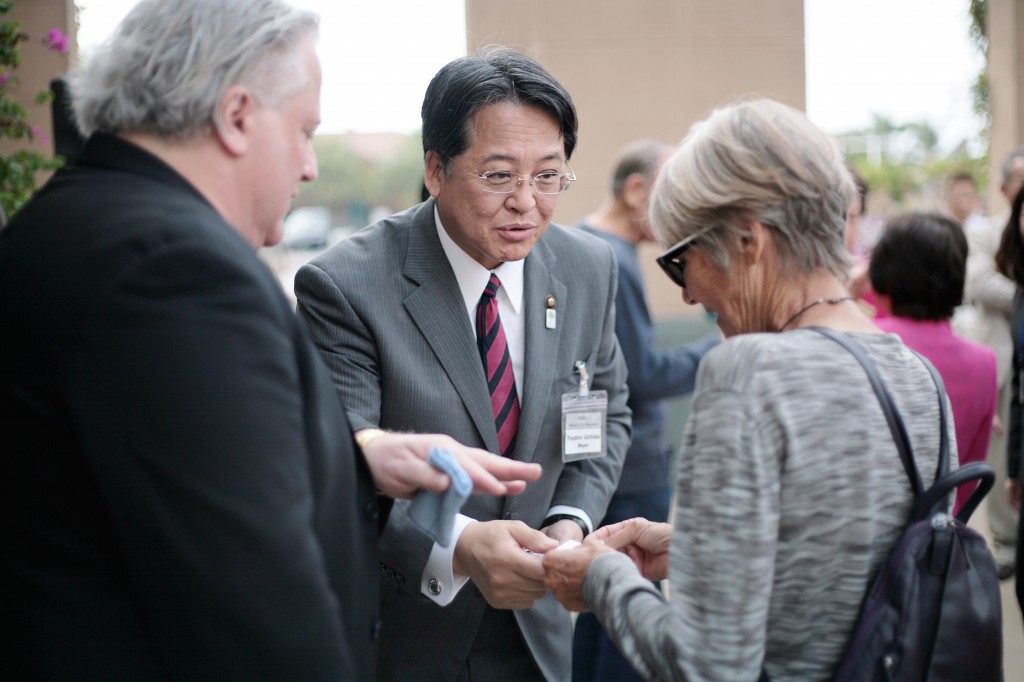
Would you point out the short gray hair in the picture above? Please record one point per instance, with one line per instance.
(643, 157)
(758, 160)
(169, 63)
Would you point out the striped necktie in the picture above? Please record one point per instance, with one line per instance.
(490, 338)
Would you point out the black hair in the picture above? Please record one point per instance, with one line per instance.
(920, 262)
(467, 84)
(1010, 254)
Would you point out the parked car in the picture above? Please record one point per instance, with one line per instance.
(307, 227)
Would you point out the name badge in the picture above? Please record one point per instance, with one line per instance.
(584, 418)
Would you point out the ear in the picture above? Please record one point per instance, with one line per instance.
(433, 173)
(237, 109)
(754, 243)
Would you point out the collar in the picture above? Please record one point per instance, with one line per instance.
(472, 277)
(609, 236)
(113, 152)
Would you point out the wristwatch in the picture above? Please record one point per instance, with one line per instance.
(566, 517)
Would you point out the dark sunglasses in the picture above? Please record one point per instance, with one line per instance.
(671, 261)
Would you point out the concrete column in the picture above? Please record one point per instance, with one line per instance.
(648, 69)
(1006, 91)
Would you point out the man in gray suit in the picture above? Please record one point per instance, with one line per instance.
(471, 315)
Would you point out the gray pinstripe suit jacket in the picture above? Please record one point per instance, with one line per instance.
(385, 310)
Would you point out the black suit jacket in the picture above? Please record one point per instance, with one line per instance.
(182, 498)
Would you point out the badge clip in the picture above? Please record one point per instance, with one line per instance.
(581, 367)
(584, 419)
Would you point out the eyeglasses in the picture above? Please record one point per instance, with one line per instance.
(671, 262)
(507, 182)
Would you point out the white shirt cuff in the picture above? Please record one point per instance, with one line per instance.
(573, 511)
(439, 582)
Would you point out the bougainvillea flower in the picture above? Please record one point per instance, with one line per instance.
(56, 40)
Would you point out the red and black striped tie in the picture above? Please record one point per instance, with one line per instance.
(490, 338)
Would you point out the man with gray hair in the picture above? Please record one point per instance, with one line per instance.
(183, 497)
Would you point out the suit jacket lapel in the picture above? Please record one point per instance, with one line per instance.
(437, 309)
(541, 347)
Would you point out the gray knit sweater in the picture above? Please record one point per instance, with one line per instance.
(790, 494)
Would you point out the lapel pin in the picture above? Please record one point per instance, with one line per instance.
(550, 302)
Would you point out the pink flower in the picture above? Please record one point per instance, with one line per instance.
(35, 133)
(4, 77)
(55, 40)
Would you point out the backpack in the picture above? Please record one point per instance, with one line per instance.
(933, 612)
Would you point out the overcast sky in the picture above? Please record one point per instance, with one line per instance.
(909, 60)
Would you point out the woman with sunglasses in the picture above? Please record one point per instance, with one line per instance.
(790, 492)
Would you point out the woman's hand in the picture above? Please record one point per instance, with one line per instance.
(565, 569)
(645, 542)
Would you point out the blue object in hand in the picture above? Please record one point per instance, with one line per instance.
(435, 512)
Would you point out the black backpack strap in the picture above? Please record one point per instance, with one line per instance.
(942, 468)
(892, 415)
(936, 494)
(929, 502)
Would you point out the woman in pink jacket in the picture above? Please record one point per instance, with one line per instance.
(917, 272)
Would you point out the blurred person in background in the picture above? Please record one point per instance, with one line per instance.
(990, 295)
(858, 207)
(790, 493)
(963, 202)
(917, 270)
(1010, 262)
(644, 488)
(860, 282)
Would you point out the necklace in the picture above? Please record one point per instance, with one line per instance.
(817, 301)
